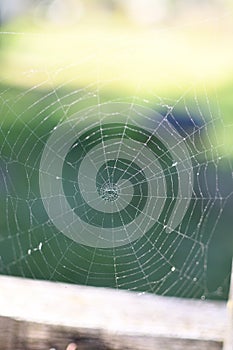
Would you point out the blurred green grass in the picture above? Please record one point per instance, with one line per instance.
(117, 59)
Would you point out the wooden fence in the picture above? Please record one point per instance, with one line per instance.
(40, 315)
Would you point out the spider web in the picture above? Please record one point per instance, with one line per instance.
(121, 192)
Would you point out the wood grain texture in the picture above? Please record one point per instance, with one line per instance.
(228, 341)
(23, 335)
(47, 315)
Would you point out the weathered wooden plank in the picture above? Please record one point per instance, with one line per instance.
(23, 335)
(54, 314)
(8, 329)
(228, 342)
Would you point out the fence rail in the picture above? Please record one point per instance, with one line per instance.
(36, 315)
